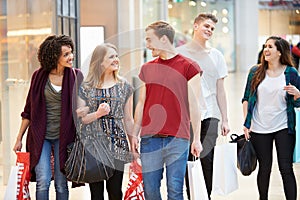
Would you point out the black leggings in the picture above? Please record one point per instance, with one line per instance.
(113, 185)
(263, 145)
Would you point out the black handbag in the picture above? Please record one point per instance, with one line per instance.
(246, 156)
(90, 158)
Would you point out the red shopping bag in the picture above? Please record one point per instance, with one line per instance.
(135, 190)
(23, 163)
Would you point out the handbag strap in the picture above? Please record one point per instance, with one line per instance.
(233, 136)
(78, 132)
(108, 132)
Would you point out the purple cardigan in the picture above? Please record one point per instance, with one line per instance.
(35, 111)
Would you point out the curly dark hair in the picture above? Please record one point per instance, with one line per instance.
(50, 50)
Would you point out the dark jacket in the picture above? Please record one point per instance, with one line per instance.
(35, 111)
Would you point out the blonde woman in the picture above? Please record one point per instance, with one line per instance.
(109, 100)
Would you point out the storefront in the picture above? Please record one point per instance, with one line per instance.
(183, 13)
(279, 18)
(23, 25)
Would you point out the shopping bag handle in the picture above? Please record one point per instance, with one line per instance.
(222, 139)
(195, 158)
(235, 137)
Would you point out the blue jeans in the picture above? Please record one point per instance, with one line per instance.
(157, 152)
(44, 173)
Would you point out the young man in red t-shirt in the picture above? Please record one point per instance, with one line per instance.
(162, 114)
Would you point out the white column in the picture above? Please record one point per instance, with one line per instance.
(164, 15)
(130, 36)
(246, 34)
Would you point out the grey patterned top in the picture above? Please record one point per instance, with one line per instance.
(112, 124)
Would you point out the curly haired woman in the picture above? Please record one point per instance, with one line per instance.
(48, 115)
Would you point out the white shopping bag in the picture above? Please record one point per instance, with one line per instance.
(225, 178)
(11, 189)
(198, 189)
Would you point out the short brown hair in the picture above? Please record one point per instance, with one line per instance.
(203, 16)
(162, 28)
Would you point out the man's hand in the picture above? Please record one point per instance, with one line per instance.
(196, 148)
(134, 146)
(225, 128)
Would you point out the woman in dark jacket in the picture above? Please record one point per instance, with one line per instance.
(48, 115)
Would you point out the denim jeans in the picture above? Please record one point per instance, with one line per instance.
(159, 152)
(44, 173)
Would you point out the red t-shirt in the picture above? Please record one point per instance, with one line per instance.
(166, 108)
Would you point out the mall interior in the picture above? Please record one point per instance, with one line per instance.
(240, 33)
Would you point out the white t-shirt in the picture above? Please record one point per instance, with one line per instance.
(214, 67)
(269, 114)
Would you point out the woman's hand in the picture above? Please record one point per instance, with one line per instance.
(247, 133)
(102, 110)
(18, 145)
(292, 90)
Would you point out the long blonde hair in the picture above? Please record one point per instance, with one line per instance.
(95, 75)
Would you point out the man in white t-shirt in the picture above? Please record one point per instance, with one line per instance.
(214, 68)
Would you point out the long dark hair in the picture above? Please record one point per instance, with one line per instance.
(285, 59)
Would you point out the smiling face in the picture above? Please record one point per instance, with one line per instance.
(271, 52)
(204, 29)
(66, 58)
(111, 61)
(153, 43)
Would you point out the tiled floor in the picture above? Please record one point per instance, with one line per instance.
(247, 184)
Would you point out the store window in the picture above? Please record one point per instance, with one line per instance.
(288, 13)
(153, 10)
(24, 24)
(183, 12)
(67, 22)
